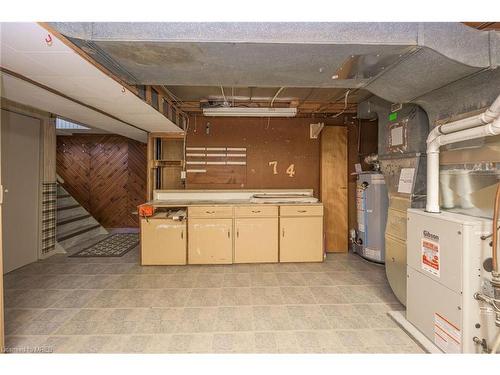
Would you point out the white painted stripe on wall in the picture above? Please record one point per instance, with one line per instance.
(196, 170)
(216, 162)
(236, 163)
(195, 148)
(216, 149)
(236, 148)
(196, 162)
(191, 154)
(237, 155)
(216, 155)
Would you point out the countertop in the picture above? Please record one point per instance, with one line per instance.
(226, 202)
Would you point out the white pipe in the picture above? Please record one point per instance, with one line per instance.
(470, 122)
(435, 142)
(450, 133)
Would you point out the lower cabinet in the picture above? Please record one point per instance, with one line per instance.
(210, 241)
(256, 240)
(163, 242)
(301, 239)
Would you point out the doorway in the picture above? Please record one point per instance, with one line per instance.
(20, 169)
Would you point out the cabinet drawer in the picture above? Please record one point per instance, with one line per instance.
(310, 210)
(256, 211)
(210, 211)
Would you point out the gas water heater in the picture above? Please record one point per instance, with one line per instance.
(371, 205)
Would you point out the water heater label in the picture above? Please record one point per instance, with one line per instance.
(430, 257)
(447, 336)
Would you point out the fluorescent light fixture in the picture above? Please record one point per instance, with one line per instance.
(250, 112)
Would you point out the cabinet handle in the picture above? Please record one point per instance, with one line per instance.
(210, 212)
(228, 233)
(256, 211)
(302, 211)
(283, 232)
(182, 234)
(237, 232)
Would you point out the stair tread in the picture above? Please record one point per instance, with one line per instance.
(73, 218)
(67, 207)
(64, 196)
(75, 232)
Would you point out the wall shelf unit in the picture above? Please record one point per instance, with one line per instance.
(165, 161)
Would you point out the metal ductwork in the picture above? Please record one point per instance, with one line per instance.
(400, 62)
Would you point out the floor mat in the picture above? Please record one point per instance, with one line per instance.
(114, 245)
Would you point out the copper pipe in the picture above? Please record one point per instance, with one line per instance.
(496, 212)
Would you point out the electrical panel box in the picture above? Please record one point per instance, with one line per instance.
(445, 267)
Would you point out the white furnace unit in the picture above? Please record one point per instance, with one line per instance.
(448, 261)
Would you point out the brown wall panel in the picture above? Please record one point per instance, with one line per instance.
(106, 174)
(283, 140)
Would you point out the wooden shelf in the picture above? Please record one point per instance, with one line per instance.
(165, 161)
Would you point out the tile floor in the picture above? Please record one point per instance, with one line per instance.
(110, 305)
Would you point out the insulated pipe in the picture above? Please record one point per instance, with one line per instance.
(470, 128)
(433, 157)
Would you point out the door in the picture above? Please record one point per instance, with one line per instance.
(163, 242)
(256, 240)
(334, 187)
(20, 170)
(301, 239)
(210, 241)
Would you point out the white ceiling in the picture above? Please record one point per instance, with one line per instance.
(25, 51)
(20, 91)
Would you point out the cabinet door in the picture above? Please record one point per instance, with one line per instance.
(163, 242)
(301, 239)
(256, 240)
(210, 241)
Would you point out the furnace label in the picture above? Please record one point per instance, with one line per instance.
(430, 257)
(447, 336)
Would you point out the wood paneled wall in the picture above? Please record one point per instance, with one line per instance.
(281, 140)
(106, 174)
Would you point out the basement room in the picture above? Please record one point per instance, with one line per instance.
(250, 187)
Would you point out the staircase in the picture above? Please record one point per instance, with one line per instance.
(75, 225)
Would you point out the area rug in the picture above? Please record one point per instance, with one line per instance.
(115, 245)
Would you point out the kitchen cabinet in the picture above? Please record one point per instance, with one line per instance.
(210, 241)
(301, 233)
(256, 240)
(163, 241)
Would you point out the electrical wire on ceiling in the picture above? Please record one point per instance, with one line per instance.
(223, 95)
(276, 95)
(345, 104)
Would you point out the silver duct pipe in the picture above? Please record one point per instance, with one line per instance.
(483, 125)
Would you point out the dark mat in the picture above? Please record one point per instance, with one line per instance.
(115, 245)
